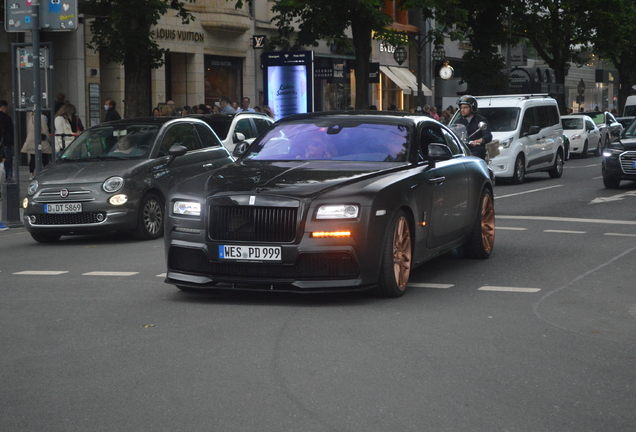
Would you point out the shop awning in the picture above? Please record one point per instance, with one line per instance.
(404, 79)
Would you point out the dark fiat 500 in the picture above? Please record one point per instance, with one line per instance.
(328, 202)
(114, 177)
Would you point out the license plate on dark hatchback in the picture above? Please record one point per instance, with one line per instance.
(63, 208)
(252, 253)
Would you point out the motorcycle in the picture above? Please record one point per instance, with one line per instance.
(492, 147)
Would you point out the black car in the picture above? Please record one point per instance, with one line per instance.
(331, 202)
(619, 159)
(114, 177)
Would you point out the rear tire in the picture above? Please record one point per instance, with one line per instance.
(557, 171)
(151, 217)
(397, 257)
(45, 238)
(482, 238)
(599, 149)
(519, 173)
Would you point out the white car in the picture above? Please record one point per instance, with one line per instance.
(583, 133)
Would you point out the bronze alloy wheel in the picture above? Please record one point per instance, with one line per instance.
(488, 222)
(402, 253)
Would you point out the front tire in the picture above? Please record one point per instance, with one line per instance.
(557, 171)
(611, 182)
(520, 170)
(482, 238)
(151, 217)
(584, 151)
(397, 257)
(599, 149)
(45, 238)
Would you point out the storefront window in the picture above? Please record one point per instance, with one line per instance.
(223, 77)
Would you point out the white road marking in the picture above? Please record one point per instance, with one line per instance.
(163, 275)
(109, 273)
(508, 289)
(40, 272)
(618, 197)
(511, 228)
(562, 219)
(527, 192)
(427, 285)
(565, 231)
(620, 235)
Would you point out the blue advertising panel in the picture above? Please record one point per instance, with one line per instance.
(289, 82)
(55, 15)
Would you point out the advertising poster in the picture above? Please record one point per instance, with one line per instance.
(287, 90)
(289, 82)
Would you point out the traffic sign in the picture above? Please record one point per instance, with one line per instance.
(55, 15)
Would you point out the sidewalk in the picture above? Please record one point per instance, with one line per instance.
(24, 184)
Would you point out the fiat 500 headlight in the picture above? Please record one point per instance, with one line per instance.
(113, 184)
(33, 187)
(338, 211)
(188, 208)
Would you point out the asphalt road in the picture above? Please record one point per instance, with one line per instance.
(540, 337)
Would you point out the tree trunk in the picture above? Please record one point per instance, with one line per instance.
(362, 44)
(137, 86)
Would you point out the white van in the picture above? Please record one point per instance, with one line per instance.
(529, 131)
(630, 107)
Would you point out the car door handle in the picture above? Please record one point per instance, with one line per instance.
(437, 180)
(208, 165)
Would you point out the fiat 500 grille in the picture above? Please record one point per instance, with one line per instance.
(627, 162)
(65, 219)
(249, 223)
(337, 265)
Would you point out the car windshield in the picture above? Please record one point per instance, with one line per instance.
(334, 139)
(630, 132)
(499, 119)
(597, 117)
(572, 123)
(112, 142)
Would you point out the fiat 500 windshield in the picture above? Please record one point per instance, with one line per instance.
(112, 142)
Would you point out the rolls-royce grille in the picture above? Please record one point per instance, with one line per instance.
(250, 223)
(338, 265)
(67, 219)
(627, 162)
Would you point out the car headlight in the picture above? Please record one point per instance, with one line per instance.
(576, 136)
(506, 142)
(188, 208)
(612, 151)
(337, 211)
(119, 199)
(113, 184)
(33, 187)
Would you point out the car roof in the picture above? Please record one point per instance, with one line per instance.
(585, 116)
(145, 120)
(360, 115)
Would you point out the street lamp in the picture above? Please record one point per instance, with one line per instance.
(399, 55)
(439, 53)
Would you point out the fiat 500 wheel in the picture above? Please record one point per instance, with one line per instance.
(150, 222)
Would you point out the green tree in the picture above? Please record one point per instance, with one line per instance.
(556, 29)
(614, 38)
(302, 23)
(122, 33)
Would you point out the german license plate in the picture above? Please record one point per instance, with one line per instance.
(254, 253)
(63, 208)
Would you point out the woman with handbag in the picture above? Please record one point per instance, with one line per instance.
(29, 144)
(63, 130)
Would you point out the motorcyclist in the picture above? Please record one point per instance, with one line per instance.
(469, 118)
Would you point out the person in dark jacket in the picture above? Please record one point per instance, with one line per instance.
(111, 112)
(469, 118)
(6, 140)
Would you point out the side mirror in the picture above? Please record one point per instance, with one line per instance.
(438, 153)
(240, 149)
(533, 130)
(238, 137)
(615, 132)
(176, 151)
(482, 125)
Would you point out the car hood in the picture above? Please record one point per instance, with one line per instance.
(571, 132)
(86, 172)
(300, 179)
(629, 143)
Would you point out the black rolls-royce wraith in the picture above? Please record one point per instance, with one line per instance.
(331, 202)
